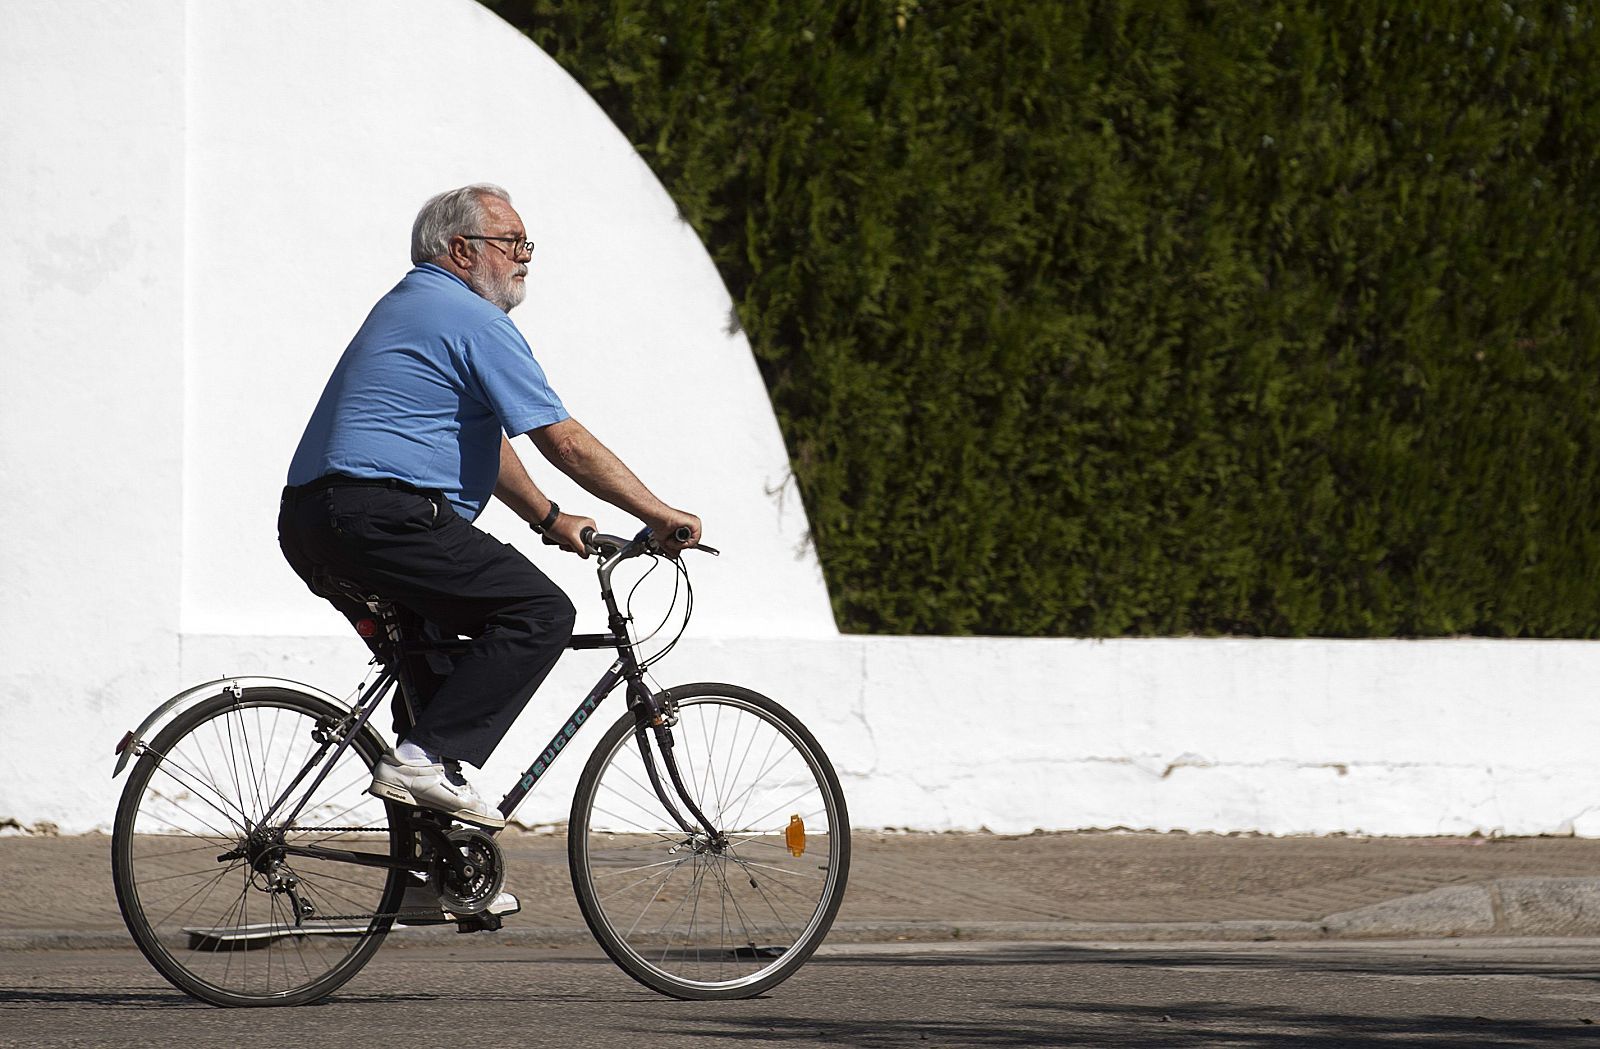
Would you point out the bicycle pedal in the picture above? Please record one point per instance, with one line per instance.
(484, 922)
(504, 905)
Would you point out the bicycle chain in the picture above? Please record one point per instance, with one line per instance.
(435, 916)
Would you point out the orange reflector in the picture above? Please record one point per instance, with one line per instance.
(794, 836)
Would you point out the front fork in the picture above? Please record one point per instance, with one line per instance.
(655, 714)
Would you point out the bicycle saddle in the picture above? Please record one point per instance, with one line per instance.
(334, 586)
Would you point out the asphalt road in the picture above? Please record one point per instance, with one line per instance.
(1447, 993)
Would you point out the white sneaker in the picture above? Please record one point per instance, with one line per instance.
(432, 787)
(422, 906)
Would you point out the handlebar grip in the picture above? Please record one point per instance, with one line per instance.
(682, 534)
(587, 535)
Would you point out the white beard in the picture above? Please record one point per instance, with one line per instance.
(506, 293)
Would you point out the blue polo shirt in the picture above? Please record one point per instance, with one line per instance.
(424, 391)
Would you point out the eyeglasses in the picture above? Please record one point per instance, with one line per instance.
(518, 245)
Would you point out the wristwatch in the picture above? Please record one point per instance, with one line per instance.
(549, 518)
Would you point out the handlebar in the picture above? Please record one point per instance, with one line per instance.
(614, 546)
(606, 546)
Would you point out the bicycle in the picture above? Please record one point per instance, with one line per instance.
(708, 842)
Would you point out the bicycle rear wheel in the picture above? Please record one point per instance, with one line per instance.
(205, 887)
(723, 915)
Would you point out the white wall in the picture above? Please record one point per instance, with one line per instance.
(1278, 736)
(92, 203)
(206, 197)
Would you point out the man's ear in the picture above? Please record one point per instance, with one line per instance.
(460, 252)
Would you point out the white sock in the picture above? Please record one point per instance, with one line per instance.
(409, 753)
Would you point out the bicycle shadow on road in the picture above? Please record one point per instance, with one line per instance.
(170, 999)
(1165, 1027)
(1090, 1020)
(1354, 960)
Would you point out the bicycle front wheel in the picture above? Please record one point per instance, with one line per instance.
(723, 912)
(209, 883)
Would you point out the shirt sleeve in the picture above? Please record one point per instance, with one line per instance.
(502, 367)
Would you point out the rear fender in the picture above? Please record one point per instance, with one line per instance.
(133, 744)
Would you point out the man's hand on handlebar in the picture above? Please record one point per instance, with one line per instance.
(667, 532)
(567, 533)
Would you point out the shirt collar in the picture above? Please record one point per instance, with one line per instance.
(430, 267)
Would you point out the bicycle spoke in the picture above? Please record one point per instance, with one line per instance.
(205, 888)
(751, 929)
(760, 887)
(786, 872)
(667, 877)
(170, 768)
(755, 781)
(694, 887)
(642, 867)
(664, 877)
(654, 827)
(781, 807)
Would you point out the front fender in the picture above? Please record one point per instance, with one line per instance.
(133, 743)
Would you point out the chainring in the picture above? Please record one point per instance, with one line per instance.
(470, 891)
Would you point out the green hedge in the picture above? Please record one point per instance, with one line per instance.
(1152, 317)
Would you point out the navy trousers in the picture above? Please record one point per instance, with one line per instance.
(448, 579)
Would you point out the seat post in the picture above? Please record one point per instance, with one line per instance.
(389, 623)
(386, 620)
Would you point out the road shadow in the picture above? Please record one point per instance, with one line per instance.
(117, 999)
(1355, 961)
(1200, 1023)
(1192, 1024)
(168, 999)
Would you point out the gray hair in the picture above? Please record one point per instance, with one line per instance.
(450, 214)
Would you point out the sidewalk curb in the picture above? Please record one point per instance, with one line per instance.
(1505, 907)
(1515, 907)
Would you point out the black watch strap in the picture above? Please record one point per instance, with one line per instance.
(549, 518)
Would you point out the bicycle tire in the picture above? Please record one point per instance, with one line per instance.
(752, 767)
(194, 795)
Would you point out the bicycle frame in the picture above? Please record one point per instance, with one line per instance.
(654, 715)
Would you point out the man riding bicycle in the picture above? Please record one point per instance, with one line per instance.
(407, 443)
